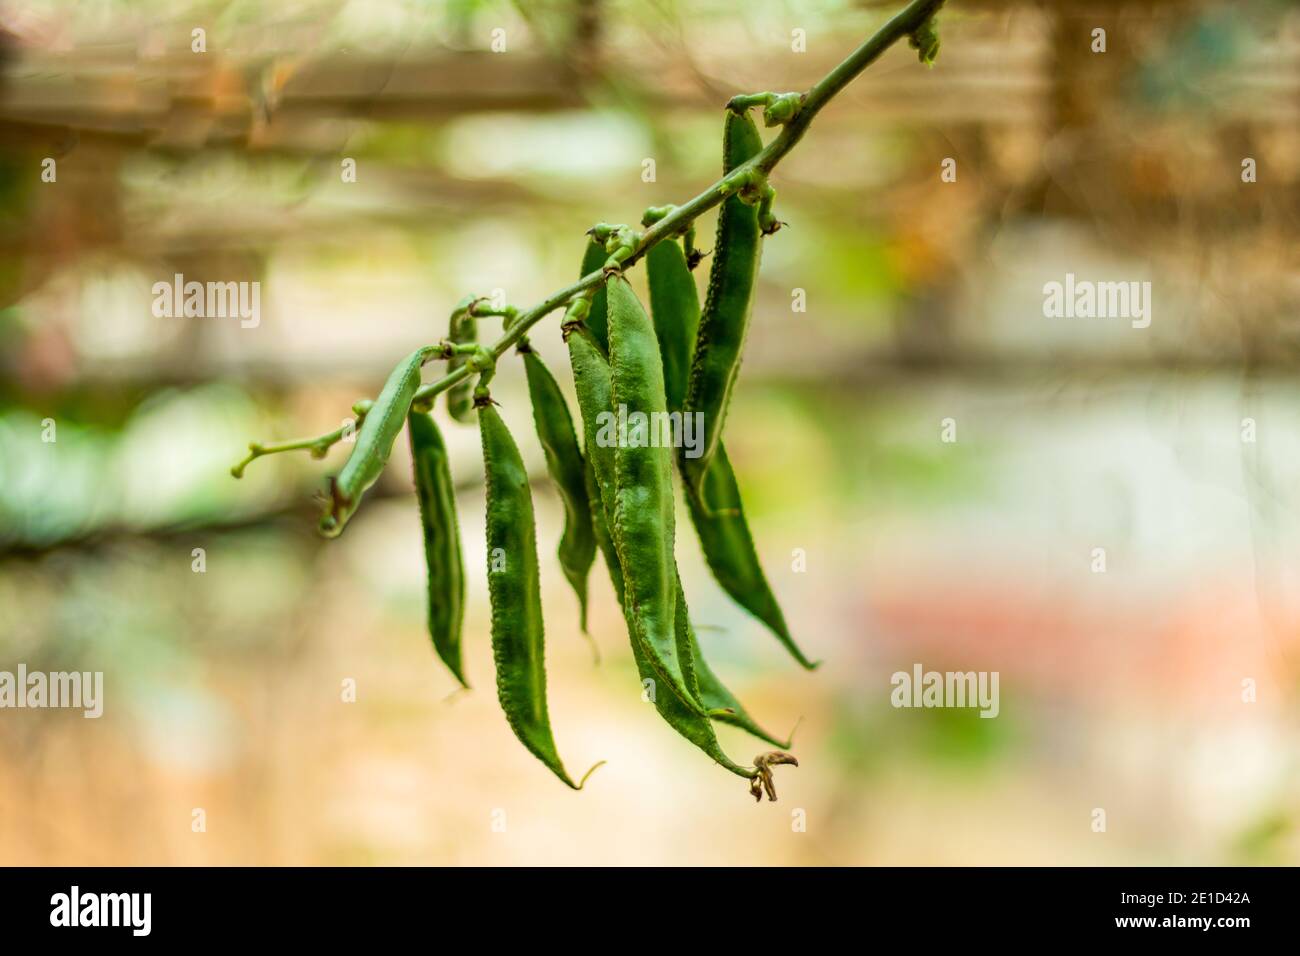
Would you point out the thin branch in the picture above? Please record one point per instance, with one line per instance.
(319, 446)
(906, 22)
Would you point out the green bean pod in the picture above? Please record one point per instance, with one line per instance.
(595, 398)
(725, 319)
(442, 554)
(592, 378)
(643, 513)
(724, 533)
(686, 720)
(462, 329)
(597, 320)
(594, 383)
(568, 471)
(518, 637)
(675, 311)
(374, 442)
(683, 718)
(730, 554)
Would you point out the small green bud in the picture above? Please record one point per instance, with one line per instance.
(781, 109)
(926, 41)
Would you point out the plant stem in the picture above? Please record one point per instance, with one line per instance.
(318, 445)
(905, 22)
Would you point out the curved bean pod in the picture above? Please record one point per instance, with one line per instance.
(684, 719)
(518, 637)
(374, 442)
(724, 534)
(592, 377)
(725, 319)
(442, 555)
(593, 381)
(643, 518)
(730, 554)
(568, 471)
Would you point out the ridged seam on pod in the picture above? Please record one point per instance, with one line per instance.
(725, 319)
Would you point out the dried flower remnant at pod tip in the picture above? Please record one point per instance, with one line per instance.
(763, 781)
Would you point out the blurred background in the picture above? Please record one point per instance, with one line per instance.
(479, 169)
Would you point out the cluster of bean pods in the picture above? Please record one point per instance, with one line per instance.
(618, 496)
